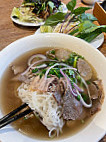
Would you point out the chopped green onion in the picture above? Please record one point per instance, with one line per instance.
(44, 71)
(48, 76)
(41, 75)
(78, 97)
(78, 78)
(71, 72)
(53, 52)
(34, 70)
(88, 82)
(85, 97)
(75, 61)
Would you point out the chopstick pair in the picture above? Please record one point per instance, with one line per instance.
(11, 117)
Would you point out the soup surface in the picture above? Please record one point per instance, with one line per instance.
(32, 126)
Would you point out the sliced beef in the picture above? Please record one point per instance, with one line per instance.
(84, 69)
(72, 108)
(99, 85)
(63, 85)
(21, 78)
(47, 85)
(62, 54)
(97, 102)
(17, 69)
(50, 55)
(93, 91)
(96, 106)
(43, 84)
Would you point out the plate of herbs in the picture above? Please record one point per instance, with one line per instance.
(76, 22)
(35, 12)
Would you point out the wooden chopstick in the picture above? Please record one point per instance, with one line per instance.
(12, 113)
(16, 117)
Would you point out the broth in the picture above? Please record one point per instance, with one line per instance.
(31, 127)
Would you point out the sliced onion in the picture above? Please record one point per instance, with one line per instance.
(40, 66)
(31, 66)
(36, 56)
(50, 69)
(51, 131)
(88, 93)
(37, 62)
(76, 86)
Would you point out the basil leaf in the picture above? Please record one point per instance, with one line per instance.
(88, 36)
(73, 32)
(80, 10)
(71, 5)
(85, 25)
(101, 29)
(51, 5)
(53, 20)
(87, 16)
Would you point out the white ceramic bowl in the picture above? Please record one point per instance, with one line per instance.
(97, 128)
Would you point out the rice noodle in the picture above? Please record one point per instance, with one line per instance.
(45, 105)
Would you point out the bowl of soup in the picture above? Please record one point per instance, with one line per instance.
(62, 79)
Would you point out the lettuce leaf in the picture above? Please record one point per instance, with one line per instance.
(15, 12)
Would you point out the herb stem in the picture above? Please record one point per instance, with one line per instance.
(66, 17)
(68, 23)
(71, 28)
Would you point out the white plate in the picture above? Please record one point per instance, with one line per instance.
(97, 127)
(97, 42)
(17, 21)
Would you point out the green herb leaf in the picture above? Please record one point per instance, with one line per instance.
(53, 20)
(88, 36)
(89, 31)
(88, 82)
(74, 31)
(34, 70)
(16, 12)
(85, 96)
(80, 10)
(78, 97)
(55, 72)
(85, 25)
(72, 82)
(71, 72)
(52, 51)
(87, 16)
(101, 29)
(78, 78)
(75, 61)
(51, 5)
(71, 5)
